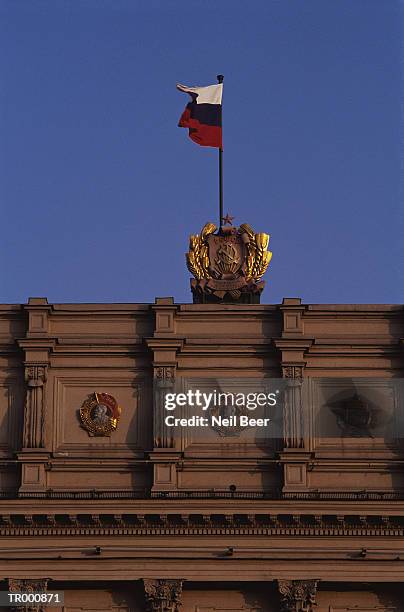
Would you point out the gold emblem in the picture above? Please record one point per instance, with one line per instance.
(228, 264)
(100, 414)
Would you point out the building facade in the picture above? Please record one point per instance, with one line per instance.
(140, 519)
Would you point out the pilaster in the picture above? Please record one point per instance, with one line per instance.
(165, 346)
(37, 346)
(293, 346)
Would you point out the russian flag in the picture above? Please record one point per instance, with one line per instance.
(203, 116)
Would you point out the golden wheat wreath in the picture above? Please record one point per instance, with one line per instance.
(198, 256)
(258, 257)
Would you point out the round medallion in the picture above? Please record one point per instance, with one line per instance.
(100, 414)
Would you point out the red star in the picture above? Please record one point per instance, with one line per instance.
(228, 220)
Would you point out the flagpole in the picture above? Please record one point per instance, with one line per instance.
(220, 78)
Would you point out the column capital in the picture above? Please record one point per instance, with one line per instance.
(297, 595)
(162, 595)
(28, 585)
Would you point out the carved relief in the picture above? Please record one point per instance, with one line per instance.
(34, 416)
(163, 595)
(297, 595)
(165, 373)
(17, 585)
(292, 371)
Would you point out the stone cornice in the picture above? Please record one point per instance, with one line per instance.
(218, 549)
(208, 564)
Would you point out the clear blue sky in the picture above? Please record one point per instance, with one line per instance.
(100, 189)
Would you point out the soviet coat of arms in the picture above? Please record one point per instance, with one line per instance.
(227, 265)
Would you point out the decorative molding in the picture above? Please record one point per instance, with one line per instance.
(142, 493)
(162, 595)
(297, 595)
(161, 523)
